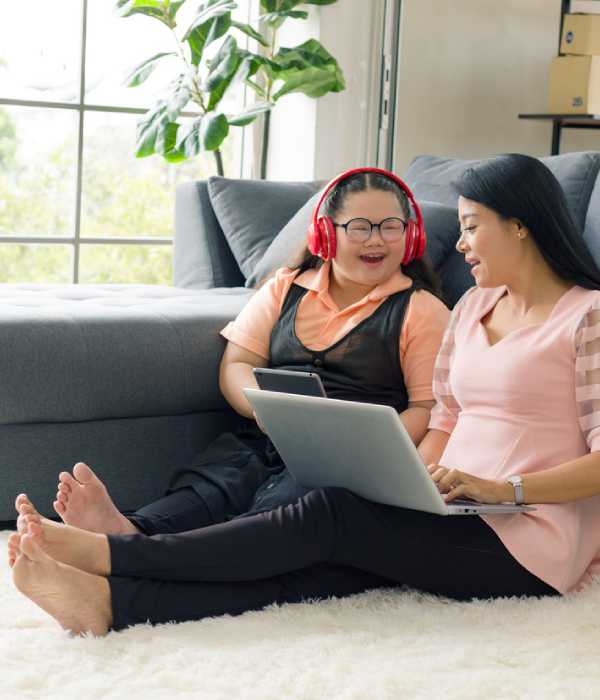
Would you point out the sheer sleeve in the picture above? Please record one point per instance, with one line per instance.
(445, 412)
(587, 376)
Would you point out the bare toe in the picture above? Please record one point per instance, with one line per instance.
(67, 479)
(83, 473)
(14, 544)
(21, 498)
(59, 507)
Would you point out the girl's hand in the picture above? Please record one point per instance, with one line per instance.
(453, 483)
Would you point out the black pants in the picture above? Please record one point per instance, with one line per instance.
(329, 543)
(237, 474)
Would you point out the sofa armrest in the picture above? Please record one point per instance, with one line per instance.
(202, 258)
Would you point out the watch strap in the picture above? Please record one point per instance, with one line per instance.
(517, 483)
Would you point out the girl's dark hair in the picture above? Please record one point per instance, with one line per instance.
(420, 271)
(521, 187)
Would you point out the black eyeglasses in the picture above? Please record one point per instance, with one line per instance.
(360, 230)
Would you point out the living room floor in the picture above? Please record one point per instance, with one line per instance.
(382, 644)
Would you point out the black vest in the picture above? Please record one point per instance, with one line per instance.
(363, 366)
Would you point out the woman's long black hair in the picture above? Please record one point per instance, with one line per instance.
(521, 187)
(420, 271)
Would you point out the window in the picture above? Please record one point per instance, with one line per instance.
(75, 203)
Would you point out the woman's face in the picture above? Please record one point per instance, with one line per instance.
(490, 244)
(375, 260)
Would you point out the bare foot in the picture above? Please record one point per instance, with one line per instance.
(78, 601)
(83, 501)
(88, 551)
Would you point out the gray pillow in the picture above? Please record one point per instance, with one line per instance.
(430, 177)
(252, 212)
(441, 226)
(286, 245)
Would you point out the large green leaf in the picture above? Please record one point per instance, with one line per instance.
(276, 19)
(139, 74)
(163, 10)
(180, 95)
(223, 68)
(149, 127)
(276, 5)
(249, 31)
(205, 34)
(277, 11)
(249, 115)
(210, 10)
(206, 133)
(313, 82)
(248, 67)
(308, 68)
(166, 141)
(214, 131)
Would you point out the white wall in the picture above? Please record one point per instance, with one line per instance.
(467, 69)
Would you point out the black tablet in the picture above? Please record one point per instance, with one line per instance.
(289, 382)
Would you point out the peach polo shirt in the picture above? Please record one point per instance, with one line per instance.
(529, 402)
(320, 322)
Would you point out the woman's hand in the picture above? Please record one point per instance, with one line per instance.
(453, 483)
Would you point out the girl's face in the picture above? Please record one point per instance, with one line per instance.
(375, 260)
(490, 244)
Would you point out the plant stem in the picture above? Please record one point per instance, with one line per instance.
(265, 145)
(267, 116)
(219, 160)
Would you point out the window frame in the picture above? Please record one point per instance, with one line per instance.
(81, 107)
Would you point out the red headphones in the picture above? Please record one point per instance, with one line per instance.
(321, 233)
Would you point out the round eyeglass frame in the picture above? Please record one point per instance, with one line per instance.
(362, 239)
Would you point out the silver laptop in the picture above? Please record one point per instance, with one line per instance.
(362, 447)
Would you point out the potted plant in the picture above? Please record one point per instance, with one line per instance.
(203, 81)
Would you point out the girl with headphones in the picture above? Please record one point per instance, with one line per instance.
(361, 310)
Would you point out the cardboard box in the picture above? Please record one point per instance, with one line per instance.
(581, 35)
(587, 6)
(574, 85)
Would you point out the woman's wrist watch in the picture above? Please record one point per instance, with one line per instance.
(517, 483)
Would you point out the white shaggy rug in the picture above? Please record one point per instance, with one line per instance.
(384, 644)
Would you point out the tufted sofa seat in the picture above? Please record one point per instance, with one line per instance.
(124, 376)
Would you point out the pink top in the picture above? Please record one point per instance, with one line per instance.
(529, 402)
(320, 323)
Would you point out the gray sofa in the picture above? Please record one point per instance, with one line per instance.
(125, 377)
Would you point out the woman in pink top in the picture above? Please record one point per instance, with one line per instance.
(517, 397)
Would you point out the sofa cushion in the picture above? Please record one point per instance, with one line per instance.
(430, 178)
(286, 245)
(92, 352)
(456, 277)
(201, 257)
(252, 212)
(441, 225)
